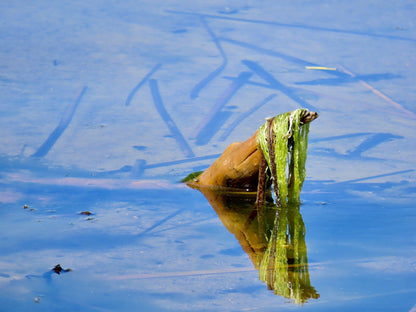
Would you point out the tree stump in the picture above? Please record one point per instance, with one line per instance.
(238, 166)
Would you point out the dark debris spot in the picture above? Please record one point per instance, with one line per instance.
(86, 213)
(58, 269)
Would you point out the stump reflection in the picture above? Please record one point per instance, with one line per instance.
(274, 239)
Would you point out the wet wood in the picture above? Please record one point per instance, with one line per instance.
(239, 165)
(261, 185)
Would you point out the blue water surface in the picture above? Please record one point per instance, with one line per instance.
(105, 106)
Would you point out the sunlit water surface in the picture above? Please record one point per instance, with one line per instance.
(106, 106)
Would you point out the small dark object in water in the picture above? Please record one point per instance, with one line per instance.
(25, 206)
(58, 269)
(86, 213)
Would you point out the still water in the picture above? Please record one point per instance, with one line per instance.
(105, 107)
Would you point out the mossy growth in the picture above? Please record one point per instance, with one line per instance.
(191, 176)
(284, 143)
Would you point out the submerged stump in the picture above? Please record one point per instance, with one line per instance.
(275, 153)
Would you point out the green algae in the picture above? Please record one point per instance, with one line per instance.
(284, 143)
(192, 176)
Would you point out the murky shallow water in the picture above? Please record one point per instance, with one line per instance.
(106, 106)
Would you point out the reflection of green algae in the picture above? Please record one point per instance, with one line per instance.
(284, 266)
(289, 140)
(274, 239)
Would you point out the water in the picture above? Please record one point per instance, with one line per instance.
(105, 106)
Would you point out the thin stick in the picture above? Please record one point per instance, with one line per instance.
(380, 94)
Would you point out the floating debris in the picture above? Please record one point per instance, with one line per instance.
(58, 269)
(86, 213)
(27, 207)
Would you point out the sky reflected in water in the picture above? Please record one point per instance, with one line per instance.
(106, 106)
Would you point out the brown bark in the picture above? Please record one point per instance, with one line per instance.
(237, 167)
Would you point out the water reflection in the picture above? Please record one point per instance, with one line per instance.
(273, 238)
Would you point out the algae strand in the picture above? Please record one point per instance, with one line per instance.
(284, 142)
